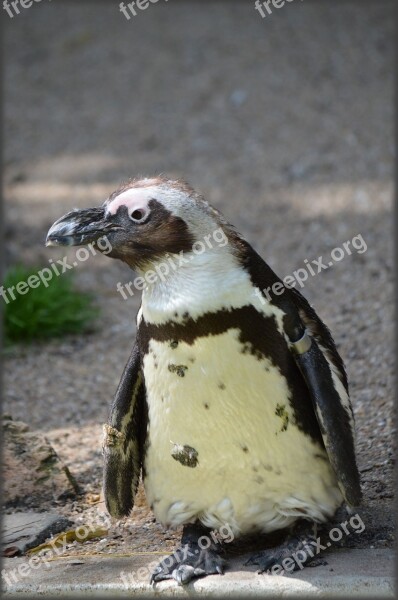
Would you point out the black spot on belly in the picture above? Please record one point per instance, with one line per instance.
(267, 467)
(259, 479)
(258, 335)
(186, 455)
(321, 457)
(173, 344)
(245, 449)
(221, 386)
(178, 369)
(206, 405)
(281, 412)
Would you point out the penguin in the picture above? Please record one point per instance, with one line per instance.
(234, 405)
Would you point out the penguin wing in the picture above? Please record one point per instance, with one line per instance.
(323, 370)
(123, 439)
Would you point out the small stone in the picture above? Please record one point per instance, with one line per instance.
(238, 97)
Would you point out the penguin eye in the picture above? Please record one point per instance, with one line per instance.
(138, 215)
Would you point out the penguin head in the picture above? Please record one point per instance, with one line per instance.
(143, 221)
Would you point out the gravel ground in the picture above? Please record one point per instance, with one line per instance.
(285, 124)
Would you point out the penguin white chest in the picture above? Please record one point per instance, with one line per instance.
(223, 444)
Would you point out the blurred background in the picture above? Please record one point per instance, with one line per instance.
(284, 123)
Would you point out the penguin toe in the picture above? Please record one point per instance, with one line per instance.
(184, 573)
(291, 555)
(265, 560)
(159, 574)
(185, 565)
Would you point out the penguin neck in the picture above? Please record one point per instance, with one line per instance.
(193, 284)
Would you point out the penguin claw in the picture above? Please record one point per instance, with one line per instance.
(184, 573)
(267, 559)
(185, 565)
(159, 575)
(264, 560)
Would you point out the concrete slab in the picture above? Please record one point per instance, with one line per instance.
(21, 531)
(349, 573)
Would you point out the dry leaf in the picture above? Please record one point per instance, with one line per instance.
(80, 534)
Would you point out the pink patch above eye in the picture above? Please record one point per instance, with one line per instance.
(135, 199)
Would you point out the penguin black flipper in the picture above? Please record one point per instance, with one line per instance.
(325, 376)
(318, 330)
(124, 439)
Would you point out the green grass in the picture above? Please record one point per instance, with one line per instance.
(45, 312)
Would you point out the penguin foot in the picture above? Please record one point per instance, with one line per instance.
(290, 556)
(191, 560)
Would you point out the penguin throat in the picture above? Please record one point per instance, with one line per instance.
(199, 284)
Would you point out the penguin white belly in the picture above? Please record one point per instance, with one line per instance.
(248, 464)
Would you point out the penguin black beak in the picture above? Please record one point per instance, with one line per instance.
(80, 227)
